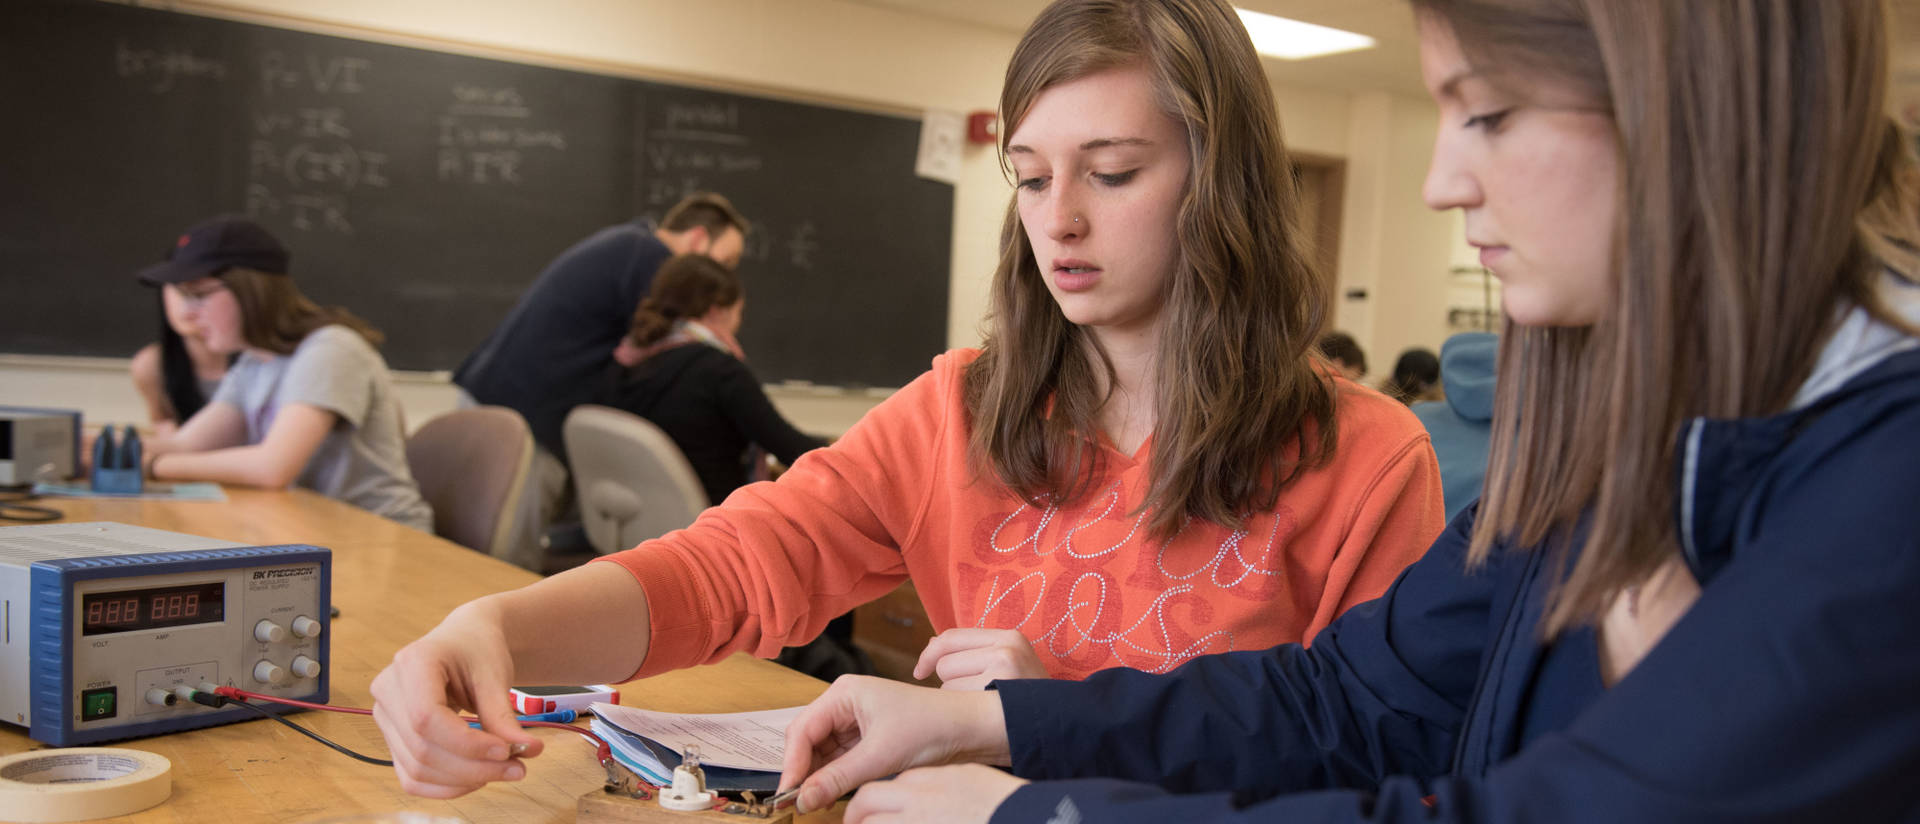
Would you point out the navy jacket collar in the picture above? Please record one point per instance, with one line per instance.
(1722, 463)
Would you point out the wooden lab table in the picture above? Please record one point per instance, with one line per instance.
(391, 584)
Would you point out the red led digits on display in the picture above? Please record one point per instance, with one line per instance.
(154, 608)
(121, 611)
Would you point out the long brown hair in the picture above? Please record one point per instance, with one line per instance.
(1763, 188)
(687, 286)
(275, 316)
(1240, 408)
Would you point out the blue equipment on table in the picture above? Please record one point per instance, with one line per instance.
(112, 628)
(116, 465)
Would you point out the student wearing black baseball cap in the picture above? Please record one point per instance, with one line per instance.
(214, 246)
(177, 374)
(308, 400)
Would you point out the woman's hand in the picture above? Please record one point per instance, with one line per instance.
(463, 664)
(970, 659)
(965, 794)
(864, 728)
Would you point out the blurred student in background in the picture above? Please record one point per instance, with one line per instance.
(308, 401)
(550, 352)
(680, 366)
(176, 375)
(1461, 424)
(1415, 378)
(1344, 353)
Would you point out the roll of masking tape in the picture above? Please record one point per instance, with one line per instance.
(81, 783)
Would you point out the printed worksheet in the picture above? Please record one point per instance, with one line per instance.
(738, 740)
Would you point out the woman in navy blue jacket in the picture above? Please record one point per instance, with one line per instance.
(1691, 588)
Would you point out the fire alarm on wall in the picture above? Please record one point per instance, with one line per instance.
(982, 127)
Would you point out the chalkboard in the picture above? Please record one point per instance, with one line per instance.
(425, 190)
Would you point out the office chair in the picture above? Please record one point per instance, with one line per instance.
(632, 481)
(471, 465)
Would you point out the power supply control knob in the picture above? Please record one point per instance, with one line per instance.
(304, 667)
(306, 627)
(268, 672)
(268, 632)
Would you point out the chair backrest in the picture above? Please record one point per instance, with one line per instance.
(632, 481)
(471, 465)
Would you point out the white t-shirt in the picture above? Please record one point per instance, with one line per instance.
(363, 461)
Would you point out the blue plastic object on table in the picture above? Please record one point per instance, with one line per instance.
(116, 465)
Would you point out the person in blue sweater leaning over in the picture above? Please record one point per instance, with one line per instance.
(547, 356)
(1688, 590)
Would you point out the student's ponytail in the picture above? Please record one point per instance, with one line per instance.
(686, 287)
(651, 322)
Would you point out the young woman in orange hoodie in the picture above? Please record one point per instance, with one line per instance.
(1143, 463)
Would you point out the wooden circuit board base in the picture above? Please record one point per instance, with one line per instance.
(600, 807)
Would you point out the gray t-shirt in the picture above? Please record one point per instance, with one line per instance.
(363, 461)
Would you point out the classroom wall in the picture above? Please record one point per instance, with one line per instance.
(845, 53)
(1392, 248)
(1413, 244)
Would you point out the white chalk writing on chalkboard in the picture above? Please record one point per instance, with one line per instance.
(769, 242)
(305, 211)
(668, 192)
(471, 99)
(721, 117)
(667, 157)
(698, 135)
(422, 257)
(495, 166)
(488, 95)
(696, 146)
(476, 149)
(801, 245)
(759, 245)
(304, 163)
(332, 75)
(692, 147)
(455, 133)
(166, 66)
(305, 122)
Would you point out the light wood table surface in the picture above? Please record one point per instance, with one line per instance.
(391, 584)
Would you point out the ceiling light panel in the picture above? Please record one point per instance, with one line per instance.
(1294, 40)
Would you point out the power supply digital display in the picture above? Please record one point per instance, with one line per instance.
(153, 608)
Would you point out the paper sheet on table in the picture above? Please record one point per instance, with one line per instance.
(193, 491)
(739, 740)
(654, 763)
